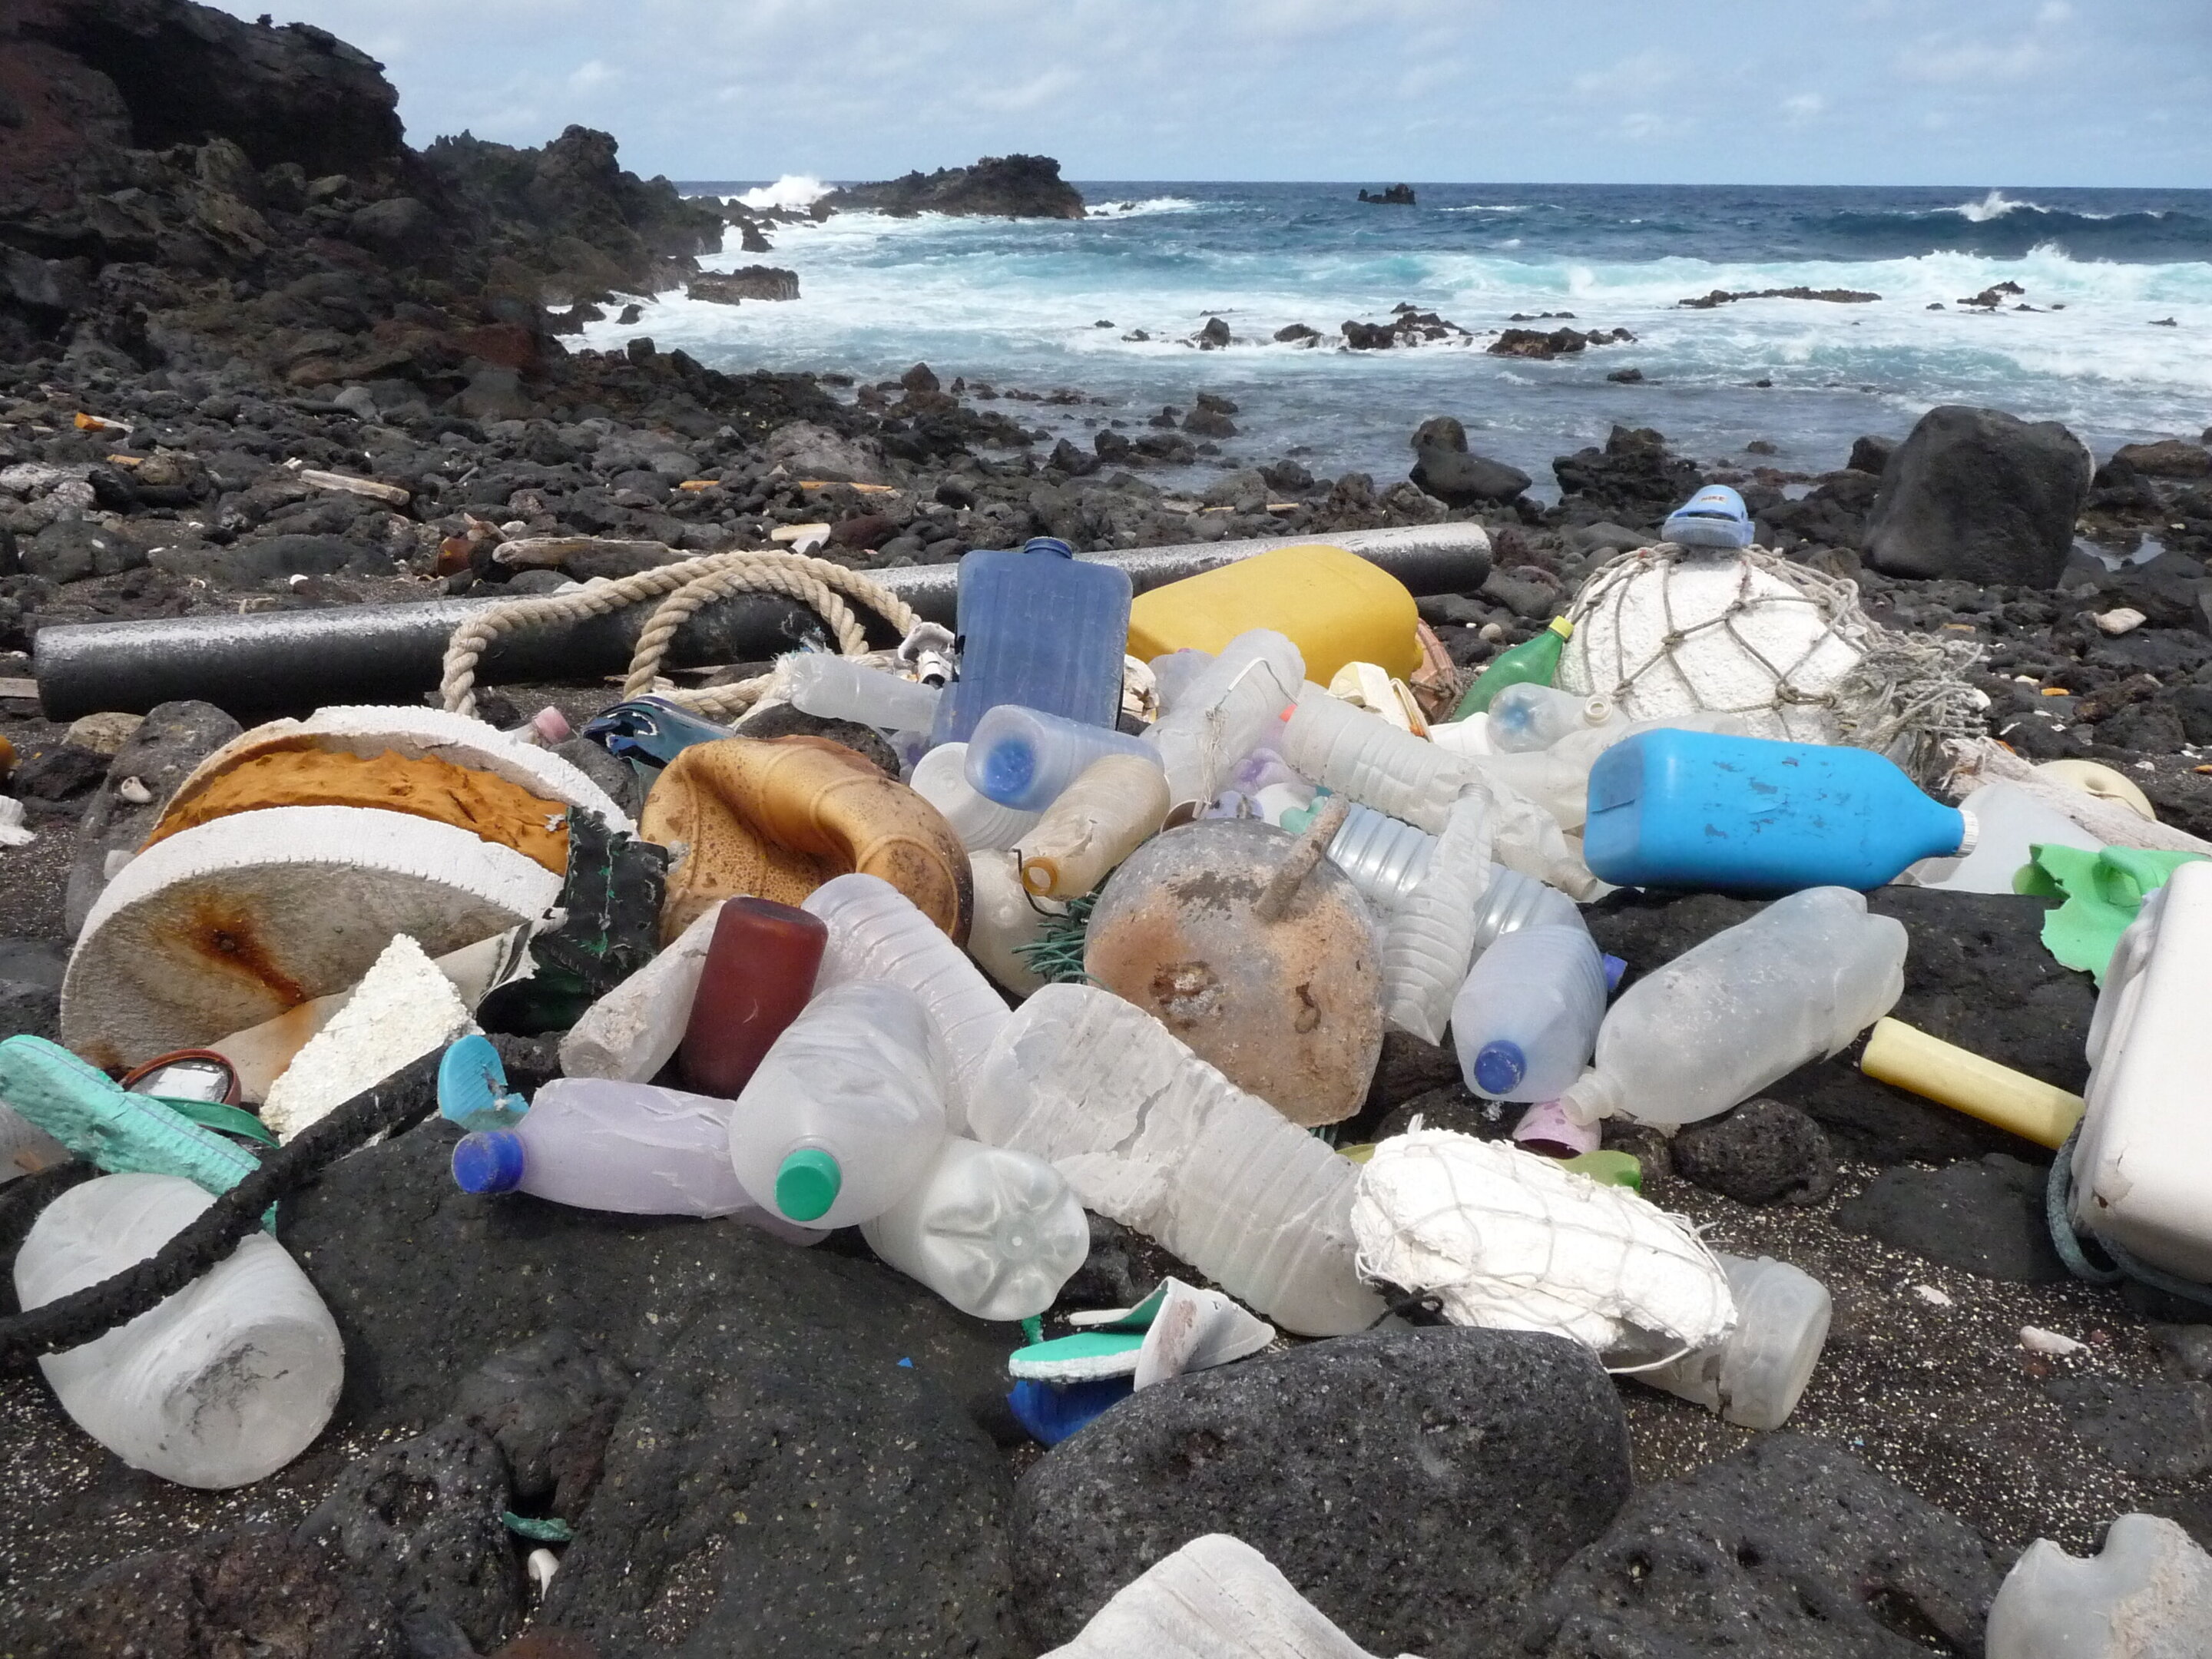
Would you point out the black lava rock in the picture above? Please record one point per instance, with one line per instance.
(171, 741)
(1419, 1487)
(766, 1494)
(69, 550)
(31, 986)
(58, 773)
(2159, 1429)
(549, 1406)
(1982, 496)
(1984, 1216)
(1790, 1547)
(1762, 1152)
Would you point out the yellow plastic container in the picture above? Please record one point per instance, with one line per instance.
(1906, 1057)
(1335, 606)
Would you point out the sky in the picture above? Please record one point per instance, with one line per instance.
(1768, 91)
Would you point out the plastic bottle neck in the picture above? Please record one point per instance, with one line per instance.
(1592, 1097)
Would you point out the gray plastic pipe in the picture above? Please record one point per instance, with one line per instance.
(285, 661)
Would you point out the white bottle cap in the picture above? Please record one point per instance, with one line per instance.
(1973, 834)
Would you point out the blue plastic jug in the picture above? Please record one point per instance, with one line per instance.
(1746, 815)
(1039, 627)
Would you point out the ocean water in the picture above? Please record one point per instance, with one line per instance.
(1017, 303)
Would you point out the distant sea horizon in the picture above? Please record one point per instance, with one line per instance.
(1019, 304)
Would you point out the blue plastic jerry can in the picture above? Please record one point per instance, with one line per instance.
(1747, 815)
(1040, 628)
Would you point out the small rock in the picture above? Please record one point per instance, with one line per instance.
(1626, 376)
(2188, 1350)
(58, 773)
(1762, 1152)
(1871, 454)
(2169, 458)
(2114, 623)
(161, 751)
(1444, 468)
(548, 1406)
(1214, 335)
(1984, 1216)
(104, 734)
(1204, 423)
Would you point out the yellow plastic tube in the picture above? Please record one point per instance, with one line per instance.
(1910, 1059)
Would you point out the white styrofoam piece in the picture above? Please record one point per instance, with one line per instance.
(403, 1008)
(630, 1033)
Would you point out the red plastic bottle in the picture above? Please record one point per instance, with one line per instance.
(759, 972)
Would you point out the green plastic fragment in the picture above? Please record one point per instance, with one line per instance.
(1055, 955)
(550, 1529)
(1033, 1330)
(1609, 1169)
(224, 1119)
(2103, 891)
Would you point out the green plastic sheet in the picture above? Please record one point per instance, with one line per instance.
(2103, 892)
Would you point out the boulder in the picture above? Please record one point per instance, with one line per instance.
(1633, 480)
(1419, 1487)
(1444, 467)
(1213, 336)
(1982, 1216)
(396, 227)
(766, 1493)
(2169, 458)
(998, 186)
(1978, 495)
(748, 282)
(69, 550)
(1790, 1547)
(1871, 454)
(1762, 1152)
(811, 451)
(159, 755)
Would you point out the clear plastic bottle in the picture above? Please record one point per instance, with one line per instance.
(1365, 757)
(1175, 673)
(1152, 1136)
(1528, 716)
(1385, 857)
(1513, 900)
(2009, 821)
(2147, 1594)
(1224, 713)
(839, 689)
(847, 1111)
(940, 777)
(1755, 1377)
(1431, 933)
(1039, 627)
(224, 1382)
(878, 932)
(1115, 806)
(1021, 757)
(1526, 1019)
(994, 1232)
(1754, 1002)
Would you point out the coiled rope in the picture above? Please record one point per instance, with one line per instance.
(683, 589)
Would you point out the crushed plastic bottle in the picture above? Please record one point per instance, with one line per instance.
(839, 689)
(1527, 1016)
(1384, 857)
(1116, 803)
(2146, 1594)
(1530, 716)
(1152, 1136)
(1024, 759)
(2009, 823)
(940, 778)
(1751, 1004)
(1364, 758)
(222, 1383)
(847, 1111)
(1431, 933)
(1222, 715)
(1755, 1377)
(994, 1232)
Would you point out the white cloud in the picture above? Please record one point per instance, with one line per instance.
(1802, 107)
(1645, 72)
(1972, 60)
(591, 76)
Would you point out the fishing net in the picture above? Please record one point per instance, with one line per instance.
(1512, 1240)
(1666, 631)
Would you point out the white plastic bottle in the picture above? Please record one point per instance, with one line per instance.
(839, 689)
(1513, 900)
(1007, 916)
(878, 932)
(225, 1380)
(846, 1110)
(1020, 758)
(1755, 1377)
(1365, 757)
(2146, 1594)
(1222, 714)
(940, 778)
(994, 1232)
(600, 1143)
(1431, 932)
(2009, 822)
(1152, 1136)
(1116, 803)
(1385, 857)
(1527, 1016)
(1530, 716)
(1753, 1003)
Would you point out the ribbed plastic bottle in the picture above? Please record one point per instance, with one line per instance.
(1384, 857)
(878, 932)
(1673, 808)
(1431, 933)
(1154, 1138)
(1526, 1019)
(1752, 1003)
(1023, 757)
(1223, 715)
(1755, 1377)
(1115, 806)
(595, 1144)
(1363, 756)
(1039, 627)
(1513, 900)
(759, 972)
(220, 1384)
(847, 1112)
(1529, 716)
(994, 1232)
(839, 689)
(940, 778)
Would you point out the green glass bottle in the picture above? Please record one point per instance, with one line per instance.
(1536, 662)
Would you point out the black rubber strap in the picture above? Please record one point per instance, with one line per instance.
(398, 1103)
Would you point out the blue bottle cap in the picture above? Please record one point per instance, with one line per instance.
(1499, 1068)
(807, 1184)
(1048, 544)
(1009, 769)
(490, 1162)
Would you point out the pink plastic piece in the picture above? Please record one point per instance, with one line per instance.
(1544, 1127)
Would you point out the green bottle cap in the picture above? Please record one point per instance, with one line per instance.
(807, 1184)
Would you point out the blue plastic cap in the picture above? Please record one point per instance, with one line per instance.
(488, 1163)
(1009, 769)
(1615, 968)
(1499, 1068)
(1048, 544)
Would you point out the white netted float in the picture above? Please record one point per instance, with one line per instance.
(1666, 631)
(1509, 1240)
